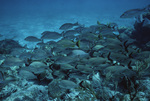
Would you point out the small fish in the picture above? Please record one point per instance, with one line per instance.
(4, 82)
(67, 84)
(67, 26)
(136, 13)
(69, 33)
(32, 39)
(36, 67)
(41, 44)
(12, 61)
(49, 32)
(27, 74)
(78, 53)
(79, 29)
(64, 60)
(51, 35)
(133, 13)
(84, 68)
(39, 54)
(68, 43)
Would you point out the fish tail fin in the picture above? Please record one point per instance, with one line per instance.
(76, 24)
(78, 43)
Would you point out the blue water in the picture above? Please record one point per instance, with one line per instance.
(15, 7)
(21, 18)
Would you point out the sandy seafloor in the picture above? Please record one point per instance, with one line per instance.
(19, 24)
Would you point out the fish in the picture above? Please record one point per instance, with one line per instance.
(12, 61)
(86, 30)
(39, 54)
(84, 44)
(5, 82)
(107, 32)
(67, 84)
(78, 53)
(49, 32)
(25, 55)
(17, 52)
(66, 67)
(69, 33)
(133, 13)
(67, 26)
(36, 67)
(84, 68)
(32, 39)
(51, 35)
(41, 44)
(64, 60)
(94, 28)
(68, 43)
(136, 13)
(79, 29)
(27, 75)
(96, 61)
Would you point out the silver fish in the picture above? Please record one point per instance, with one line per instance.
(64, 60)
(39, 54)
(146, 23)
(27, 75)
(50, 35)
(12, 61)
(5, 82)
(32, 39)
(49, 32)
(69, 33)
(78, 53)
(67, 84)
(133, 13)
(67, 26)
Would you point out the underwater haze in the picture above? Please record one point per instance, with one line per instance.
(20, 18)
